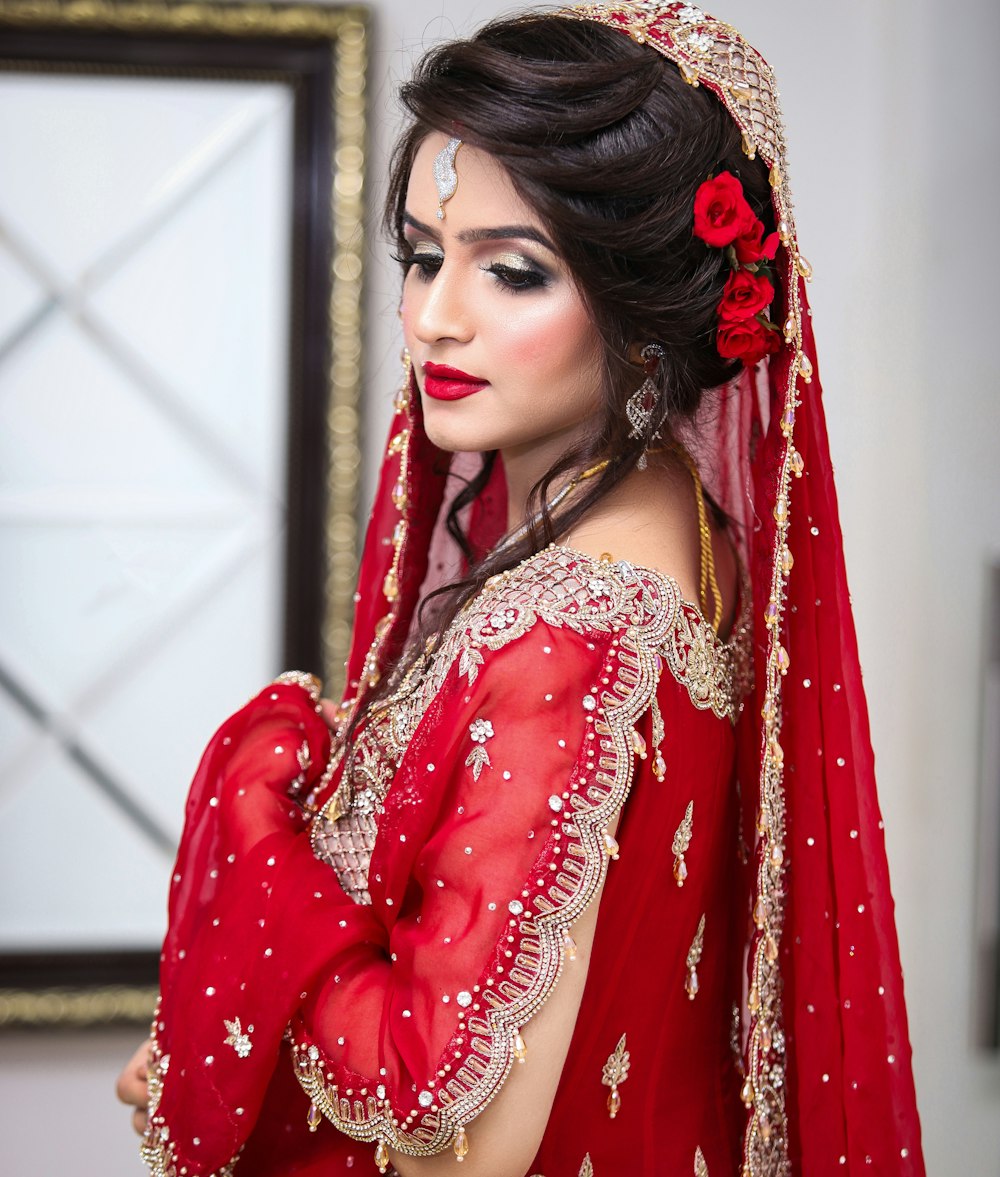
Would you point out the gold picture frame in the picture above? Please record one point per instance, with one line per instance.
(322, 52)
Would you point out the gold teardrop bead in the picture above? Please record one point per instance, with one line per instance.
(313, 1117)
(569, 947)
(797, 463)
(765, 1125)
(746, 1092)
(784, 232)
(610, 845)
(765, 1036)
(520, 1050)
(461, 1145)
(775, 176)
(659, 766)
(758, 912)
(771, 948)
(680, 870)
(753, 1001)
(691, 984)
(390, 586)
(639, 744)
(614, 1103)
(787, 560)
(805, 269)
(381, 1157)
(777, 857)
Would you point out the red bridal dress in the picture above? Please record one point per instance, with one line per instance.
(360, 935)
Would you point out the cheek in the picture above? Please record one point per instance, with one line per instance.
(556, 339)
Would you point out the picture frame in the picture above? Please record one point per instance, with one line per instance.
(320, 52)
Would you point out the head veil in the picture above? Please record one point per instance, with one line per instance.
(828, 1085)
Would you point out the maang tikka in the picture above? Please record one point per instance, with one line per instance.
(643, 404)
(445, 176)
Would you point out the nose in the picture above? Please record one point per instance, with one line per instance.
(442, 308)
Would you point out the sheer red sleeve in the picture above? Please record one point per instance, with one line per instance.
(407, 1014)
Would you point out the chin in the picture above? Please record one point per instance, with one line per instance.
(457, 431)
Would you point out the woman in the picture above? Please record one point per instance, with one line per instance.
(589, 877)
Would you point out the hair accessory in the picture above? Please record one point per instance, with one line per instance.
(445, 176)
(641, 406)
(724, 220)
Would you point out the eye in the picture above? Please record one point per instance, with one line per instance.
(426, 262)
(516, 278)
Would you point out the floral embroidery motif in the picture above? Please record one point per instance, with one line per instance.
(693, 957)
(238, 1039)
(587, 1168)
(480, 730)
(682, 840)
(700, 1164)
(615, 1073)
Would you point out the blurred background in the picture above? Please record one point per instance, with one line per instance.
(144, 503)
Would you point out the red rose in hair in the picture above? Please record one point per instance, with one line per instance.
(721, 212)
(745, 294)
(752, 246)
(747, 340)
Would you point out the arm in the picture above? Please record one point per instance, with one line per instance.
(476, 884)
(413, 1006)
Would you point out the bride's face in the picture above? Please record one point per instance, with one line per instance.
(505, 353)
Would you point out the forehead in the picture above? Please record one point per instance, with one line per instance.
(485, 194)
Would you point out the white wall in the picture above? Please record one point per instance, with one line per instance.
(894, 164)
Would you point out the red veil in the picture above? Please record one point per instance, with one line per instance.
(256, 921)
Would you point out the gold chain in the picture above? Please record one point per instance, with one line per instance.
(707, 558)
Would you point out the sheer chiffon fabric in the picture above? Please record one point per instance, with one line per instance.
(285, 1003)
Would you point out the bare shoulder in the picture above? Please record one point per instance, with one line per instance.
(652, 520)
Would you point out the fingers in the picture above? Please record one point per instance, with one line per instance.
(139, 1118)
(132, 1086)
(330, 712)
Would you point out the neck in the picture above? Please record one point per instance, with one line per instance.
(525, 465)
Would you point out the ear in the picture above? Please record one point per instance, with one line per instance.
(634, 354)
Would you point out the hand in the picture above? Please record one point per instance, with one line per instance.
(132, 1087)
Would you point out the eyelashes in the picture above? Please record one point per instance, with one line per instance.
(511, 278)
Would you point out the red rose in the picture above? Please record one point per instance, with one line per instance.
(745, 294)
(721, 212)
(752, 247)
(747, 340)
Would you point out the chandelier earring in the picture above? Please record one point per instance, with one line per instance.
(643, 407)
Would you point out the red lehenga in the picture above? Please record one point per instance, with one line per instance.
(362, 936)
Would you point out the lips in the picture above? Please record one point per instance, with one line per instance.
(445, 383)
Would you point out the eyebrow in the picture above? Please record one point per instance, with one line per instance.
(472, 236)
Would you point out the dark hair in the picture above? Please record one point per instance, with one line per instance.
(608, 144)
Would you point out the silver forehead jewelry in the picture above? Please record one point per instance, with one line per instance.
(445, 176)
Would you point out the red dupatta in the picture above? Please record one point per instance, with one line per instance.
(257, 923)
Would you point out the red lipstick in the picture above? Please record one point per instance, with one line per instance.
(445, 383)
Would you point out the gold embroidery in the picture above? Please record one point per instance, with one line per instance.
(238, 1039)
(586, 1169)
(693, 957)
(659, 765)
(615, 1072)
(558, 587)
(682, 840)
(700, 1165)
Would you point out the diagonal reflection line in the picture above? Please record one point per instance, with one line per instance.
(21, 332)
(84, 759)
(179, 187)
